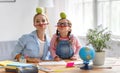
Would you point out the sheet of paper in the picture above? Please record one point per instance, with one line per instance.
(77, 62)
(109, 62)
(112, 61)
(44, 69)
(53, 63)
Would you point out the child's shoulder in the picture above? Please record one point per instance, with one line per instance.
(54, 36)
(74, 37)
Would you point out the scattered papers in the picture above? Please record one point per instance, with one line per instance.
(53, 70)
(112, 61)
(44, 69)
(109, 63)
(60, 62)
(53, 63)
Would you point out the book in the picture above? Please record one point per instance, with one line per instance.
(11, 66)
(12, 63)
(14, 67)
(18, 64)
(4, 63)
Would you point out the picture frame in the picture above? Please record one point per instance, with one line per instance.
(7, 0)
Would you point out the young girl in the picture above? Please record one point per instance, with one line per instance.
(63, 44)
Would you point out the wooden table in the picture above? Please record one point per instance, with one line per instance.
(110, 62)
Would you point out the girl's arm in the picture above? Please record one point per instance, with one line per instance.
(77, 47)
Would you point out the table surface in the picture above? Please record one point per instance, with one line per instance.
(112, 65)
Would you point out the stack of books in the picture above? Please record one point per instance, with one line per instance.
(11, 66)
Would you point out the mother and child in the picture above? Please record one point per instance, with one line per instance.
(37, 45)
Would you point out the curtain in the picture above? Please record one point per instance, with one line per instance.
(86, 14)
(79, 12)
(109, 15)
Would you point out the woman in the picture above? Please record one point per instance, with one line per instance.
(34, 46)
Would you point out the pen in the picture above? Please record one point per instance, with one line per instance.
(102, 67)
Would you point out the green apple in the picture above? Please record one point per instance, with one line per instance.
(39, 10)
(63, 15)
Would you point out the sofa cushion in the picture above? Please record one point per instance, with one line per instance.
(6, 48)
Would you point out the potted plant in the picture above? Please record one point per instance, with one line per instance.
(98, 38)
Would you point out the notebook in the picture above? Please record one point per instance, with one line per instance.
(4, 63)
(12, 63)
(18, 64)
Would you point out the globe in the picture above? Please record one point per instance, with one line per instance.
(87, 54)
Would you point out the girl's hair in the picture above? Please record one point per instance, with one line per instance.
(68, 35)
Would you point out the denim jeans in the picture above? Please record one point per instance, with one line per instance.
(64, 49)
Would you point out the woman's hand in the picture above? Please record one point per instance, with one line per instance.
(33, 60)
(17, 57)
(57, 58)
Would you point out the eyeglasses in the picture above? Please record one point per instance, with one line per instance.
(60, 24)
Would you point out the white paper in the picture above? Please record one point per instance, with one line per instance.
(53, 63)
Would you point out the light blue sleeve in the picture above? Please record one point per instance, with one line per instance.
(48, 56)
(19, 46)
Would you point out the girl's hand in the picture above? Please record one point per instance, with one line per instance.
(33, 60)
(73, 58)
(57, 58)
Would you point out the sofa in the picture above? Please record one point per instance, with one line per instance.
(6, 47)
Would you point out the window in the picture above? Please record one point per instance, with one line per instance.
(109, 15)
(80, 12)
(86, 14)
(7, 0)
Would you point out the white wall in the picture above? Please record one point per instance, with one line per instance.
(16, 18)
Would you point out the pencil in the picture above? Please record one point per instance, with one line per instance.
(102, 67)
(61, 70)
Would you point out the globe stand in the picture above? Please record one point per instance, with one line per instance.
(86, 66)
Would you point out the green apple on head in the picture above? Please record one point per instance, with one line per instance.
(63, 15)
(39, 10)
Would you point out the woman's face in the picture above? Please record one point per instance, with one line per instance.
(63, 26)
(40, 22)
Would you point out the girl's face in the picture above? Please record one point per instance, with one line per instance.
(63, 26)
(40, 22)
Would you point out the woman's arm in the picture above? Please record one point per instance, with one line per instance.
(16, 53)
(53, 46)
